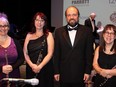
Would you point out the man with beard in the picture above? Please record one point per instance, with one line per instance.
(73, 51)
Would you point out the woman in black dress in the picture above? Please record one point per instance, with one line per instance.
(105, 58)
(38, 51)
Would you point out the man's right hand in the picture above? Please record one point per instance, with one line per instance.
(57, 77)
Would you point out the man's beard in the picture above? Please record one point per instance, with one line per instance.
(72, 22)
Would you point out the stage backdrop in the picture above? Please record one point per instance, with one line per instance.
(104, 9)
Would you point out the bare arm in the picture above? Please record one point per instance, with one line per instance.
(29, 62)
(108, 73)
(50, 42)
(95, 61)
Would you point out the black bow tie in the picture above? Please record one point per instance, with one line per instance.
(72, 28)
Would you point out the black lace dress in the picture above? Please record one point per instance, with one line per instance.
(107, 61)
(46, 74)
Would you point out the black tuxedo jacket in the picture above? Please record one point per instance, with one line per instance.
(71, 62)
(89, 24)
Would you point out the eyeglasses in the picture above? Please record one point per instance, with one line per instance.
(108, 33)
(39, 20)
(4, 26)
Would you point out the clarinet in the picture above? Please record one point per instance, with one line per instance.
(40, 57)
(106, 79)
(39, 61)
(7, 75)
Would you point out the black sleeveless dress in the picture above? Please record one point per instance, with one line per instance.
(106, 61)
(46, 74)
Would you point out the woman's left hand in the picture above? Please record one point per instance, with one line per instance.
(7, 69)
(105, 73)
(37, 68)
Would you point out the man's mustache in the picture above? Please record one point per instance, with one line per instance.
(72, 20)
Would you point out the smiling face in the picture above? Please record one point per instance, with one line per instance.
(109, 36)
(72, 16)
(39, 22)
(4, 26)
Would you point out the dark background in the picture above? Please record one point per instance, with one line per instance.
(20, 12)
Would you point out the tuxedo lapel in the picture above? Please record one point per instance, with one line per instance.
(78, 34)
(66, 36)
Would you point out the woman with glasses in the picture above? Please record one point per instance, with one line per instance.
(38, 51)
(105, 58)
(11, 54)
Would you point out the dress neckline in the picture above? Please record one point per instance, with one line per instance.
(37, 38)
(108, 54)
(8, 45)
